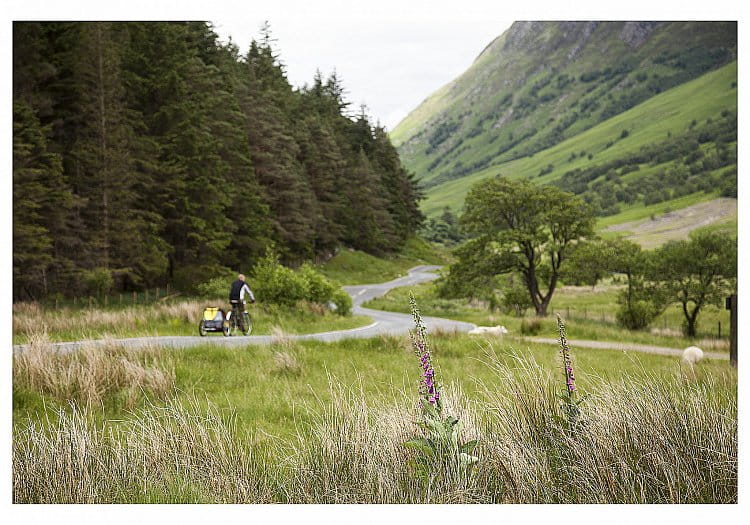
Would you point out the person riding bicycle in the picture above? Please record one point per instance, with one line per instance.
(237, 294)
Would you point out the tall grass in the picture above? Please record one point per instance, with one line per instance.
(91, 375)
(175, 453)
(29, 318)
(654, 439)
(167, 318)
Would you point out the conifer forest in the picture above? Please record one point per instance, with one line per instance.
(156, 154)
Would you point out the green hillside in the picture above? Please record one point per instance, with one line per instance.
(620, 112)
(666, 116)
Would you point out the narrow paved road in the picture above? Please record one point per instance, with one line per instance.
(390, 323)
(625, 347)
(383, 322)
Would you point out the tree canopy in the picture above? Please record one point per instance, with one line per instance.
(519, 226)
(697, 272)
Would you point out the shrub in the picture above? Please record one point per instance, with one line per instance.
(319, 289)
(343, 302)
(531, 326)
(638, 315)
(277, 284)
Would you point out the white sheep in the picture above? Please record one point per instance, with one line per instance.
(692, 355)
(489, 330)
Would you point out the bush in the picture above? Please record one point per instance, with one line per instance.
(277, 284)
(638, 315)
(343, 302)
(319, 289)
(274, 283)
(531, 326)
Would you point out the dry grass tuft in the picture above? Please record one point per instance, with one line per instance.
(91, 374)
(30, 318)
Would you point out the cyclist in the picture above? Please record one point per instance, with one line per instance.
(237, 294)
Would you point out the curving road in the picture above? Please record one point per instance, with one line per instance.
(389, 323)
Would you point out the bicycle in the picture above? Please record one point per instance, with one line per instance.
(238, 322)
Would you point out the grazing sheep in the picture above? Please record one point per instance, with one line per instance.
(489, 330)
(692, 355)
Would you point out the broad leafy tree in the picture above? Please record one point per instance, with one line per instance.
(522, 227)
(697, 272)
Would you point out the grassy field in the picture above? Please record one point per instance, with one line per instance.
(590, 313)
(315, 423)
(646, 123)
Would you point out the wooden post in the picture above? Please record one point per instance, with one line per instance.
(121, 298)
(731, 305)
(567, 313)
(157, 292)
(90, 300)
(719, 336)
(134, 297)
(75, 300)
(106, 299)
(146, 298)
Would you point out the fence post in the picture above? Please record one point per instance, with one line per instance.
(106, 299)
(145, 300)
(120, 297)
(134, 297)
(157, 292)
(90, 300)
(719, 329)
(75, 300)
(731, 305)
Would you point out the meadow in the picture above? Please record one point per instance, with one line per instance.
(592, 308)
(314, 422)
(318, 423)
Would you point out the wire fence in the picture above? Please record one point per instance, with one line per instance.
(143, 297)
(667, 323)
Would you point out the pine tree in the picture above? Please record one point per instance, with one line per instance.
(41, 204)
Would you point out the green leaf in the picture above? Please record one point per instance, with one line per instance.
(469, 446)
(420, 444)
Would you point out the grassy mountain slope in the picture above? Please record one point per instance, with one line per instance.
(669, 113)
(628, 114)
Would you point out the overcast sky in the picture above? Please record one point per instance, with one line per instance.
(390, 61)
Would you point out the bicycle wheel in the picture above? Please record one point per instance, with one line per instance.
(202, 328)
(247, 324)
(234, 323)
(226, 326)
